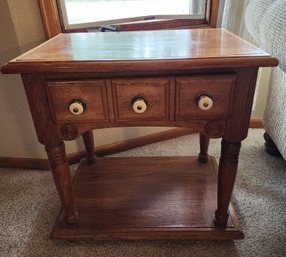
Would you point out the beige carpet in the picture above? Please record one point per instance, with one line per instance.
(29, 206)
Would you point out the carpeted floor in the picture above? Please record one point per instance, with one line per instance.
(29, 206)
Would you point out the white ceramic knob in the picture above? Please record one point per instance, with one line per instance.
(139, 105)
(76, 107)
(205, 102)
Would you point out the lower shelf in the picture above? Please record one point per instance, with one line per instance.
(146, 198)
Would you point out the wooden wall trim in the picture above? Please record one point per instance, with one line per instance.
(256, 123)
(24, 163)
(50, 17)
(73, 158)
(214, 13)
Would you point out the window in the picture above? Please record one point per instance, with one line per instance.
(58, 17)
(84, 14)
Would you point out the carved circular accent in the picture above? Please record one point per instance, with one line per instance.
(214, 128)
(69, 132)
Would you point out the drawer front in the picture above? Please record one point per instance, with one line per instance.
(150, 96)
(189, 91)
(90, 94)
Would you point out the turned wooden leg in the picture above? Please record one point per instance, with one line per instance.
(204, 145)
(270, 146)
(89, 146)
(62, 179)
(226, 178)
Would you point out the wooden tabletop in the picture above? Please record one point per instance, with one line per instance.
(114, 51)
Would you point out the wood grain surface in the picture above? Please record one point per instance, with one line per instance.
(170, 199)
(140, 51)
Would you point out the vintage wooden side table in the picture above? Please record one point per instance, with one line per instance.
(203, 79)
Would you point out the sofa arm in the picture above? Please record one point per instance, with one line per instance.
(266, 22)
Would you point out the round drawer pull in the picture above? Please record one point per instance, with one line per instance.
(205, 102)
(77, 107)
(139, 105)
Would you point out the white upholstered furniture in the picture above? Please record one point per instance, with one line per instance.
(266, 21)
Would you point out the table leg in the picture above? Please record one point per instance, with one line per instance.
(62, 179)
(204, 145)
(226, 178)
(89, 146)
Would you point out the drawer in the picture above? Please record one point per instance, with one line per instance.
(189, 91)
(68, 98)
(141, 99)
